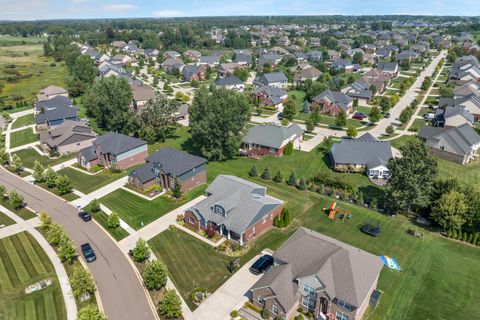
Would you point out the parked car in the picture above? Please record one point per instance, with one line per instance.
(88, 252)
(429, 116)
(387, 115)
(280, 116)
(262, 264)
(85, 216)
(358, 116)
(362, 114)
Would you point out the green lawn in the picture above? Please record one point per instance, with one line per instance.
(23, 213)
(178, 140)
(298, 96)
(19, 138)
(23, 121)
(135, 210)
(29, 156)
(468, 173)
(363, 109)
(22, 263)
(191, 263)
(101, 217)
(67, 196)
(400, 141)
(86, 183)
(330, 121)
(5, 220)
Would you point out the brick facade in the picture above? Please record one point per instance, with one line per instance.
(133, 160)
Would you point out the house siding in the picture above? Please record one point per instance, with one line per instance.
(133, 158)
(262, 225)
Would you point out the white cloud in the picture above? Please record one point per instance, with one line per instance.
(119, 7)
(78, 1)
(168, 13)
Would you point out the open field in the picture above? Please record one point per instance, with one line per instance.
(137, 212)
(88, 183)
(29, 156)
(19, 138)
(22, 263)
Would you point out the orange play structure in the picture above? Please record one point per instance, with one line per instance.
(333, 209)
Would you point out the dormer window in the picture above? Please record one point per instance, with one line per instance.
(219, 210)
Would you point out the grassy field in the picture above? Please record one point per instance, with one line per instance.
(88, 183)
(29, 156)
(101, 217)
(23, 121)
(22, 263)
(191, 263)
(299, 97)
(19, 138)
(135, 210)
(5, 220)
(24, 70)
(178, 140)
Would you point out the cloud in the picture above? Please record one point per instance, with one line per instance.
(168, 13)
(78, 1)
(119, 7)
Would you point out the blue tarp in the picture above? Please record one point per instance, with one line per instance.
(390, 262)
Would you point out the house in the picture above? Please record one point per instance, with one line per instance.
(471, 103)
(359, 90)
(320, 275)
(119, 44)
(332, 102)
(151, 54)
(283, 41)
(121, 59)
(315, 42)
(192, 55)
(270, 58)
(237, 209)
(314, 55)
(113, 150)
(243, 59)
(453, 117)
(210, 61)
(274, 79)
(193, 72)
(172, 65)
(270, 139)
(68, 137)
(458, 144)
(390, 68)
(364, 154)
(466, 89)
(341, 65)
(171, 55)
(231, 83)
(51, 92)
(50, 104)
(300, 56)
(163, 166)
(141, 94)
(309, 73)
(465, 69)
(407, 55)
(270, 96)
(225, 69)
(383, 53)
(55, 117)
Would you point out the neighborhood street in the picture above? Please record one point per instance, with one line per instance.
(121, 292)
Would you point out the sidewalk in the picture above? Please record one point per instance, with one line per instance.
(64, 164)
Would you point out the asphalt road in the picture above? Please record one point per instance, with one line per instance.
(121, 292)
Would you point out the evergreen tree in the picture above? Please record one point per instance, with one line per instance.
(292, 180)
(155, 275)
(113, 221)
(50, 177)
(341, 119)
(302, 185)
(253, 171)
(141, 252)
(266, 174)
(64, 185)
(278, 176)
(306, 107)
(170, 306)
(177, 188)
(288, 149)
(38, 171)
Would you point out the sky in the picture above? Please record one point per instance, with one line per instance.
(87, 9)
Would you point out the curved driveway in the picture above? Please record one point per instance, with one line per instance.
(121, 292)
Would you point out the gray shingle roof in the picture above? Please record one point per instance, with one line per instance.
(273, 77)
(459, 140)
(272, 135)
(57, 101)
(175, 162)
(228, 81)
(361, 151)
(56, 114)
(116, 143)
(336, 97)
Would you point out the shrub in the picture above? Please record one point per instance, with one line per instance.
(141, 252)
(91, 312)
(278, 176)
(170, 306)
(292, 180)
(464, 236)
(302, 185)
(475, 238)
(390, 130)
(454, 234)
(470, 238)
(234, 314)
(16, 200)
(449, 233)
(155, 275)
(94, 205)
(113, 221)
(288, 149)
(266, 174)
(253, 171)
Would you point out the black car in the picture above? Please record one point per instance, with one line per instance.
(88, 252)
(387, 115)
(85, 216)
(280, 116)
(262, 264)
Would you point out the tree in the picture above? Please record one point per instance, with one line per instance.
(177, 188)
(50, 178)
(16, 164)
(156, 118)
(390, 130)
(413, 177)
(46, 220)
(341, 119)
(285, 217)
(306, 107)
(266, 174)
(302, 185)
(64, 185)
(310, 126)
(94, 205)
(357, 58)
(241, 73)
(3, 191)
(16, 200)
(66, 248)
(82, 282)
(355, 103)
(405, 115)
(375, 115)
(38, 171)
(109, 99)
(4, 156)
(449, 211)
(91, 312)
(352, 132)
(326, 145)
(290, 109)
(385, 104)
(253, 171)
(288, 150)
(54, 234)
(141, 252)
(170, 306)
(155, 275)
(278, 176)
(217, 120)
(113, 221)
(292, 180)
(84, 69)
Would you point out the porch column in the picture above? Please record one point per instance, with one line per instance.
(221, 230)
(228, 234)
(241, 239)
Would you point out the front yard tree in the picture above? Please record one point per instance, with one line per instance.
(177, 188)
(84, 69)
(54, 234)
(64, 185)
(50, 177)
(109, 99)
(38, 171)
(310, 126)
(341, 119)
(66, 249)
(170, 306)
(266, 174)
(390, 130)
(91, 312)
(3, 191)
(352, 132)
(375, 115)
(82, 282)
(16, 163)
(449, 211)
(94, 205)
(46, 220)
(155, 275)
(292, 180)
(217, 121)
(290, 109)
(113, 221)
(413, 177)
(16, 200)
(253, 171)
(4, 156)
(141, 252)
(278, 176)
(306, 107)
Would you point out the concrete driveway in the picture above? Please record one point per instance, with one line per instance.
(231, 295)
(122, 294)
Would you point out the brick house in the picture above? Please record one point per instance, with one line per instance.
(270, 139)
(318, 274)
(113, 149)
(163, 166)
(332, 102)
(237, 209)
(193, 72)
(270, 96)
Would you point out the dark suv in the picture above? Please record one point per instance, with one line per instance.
(88, 252)
(262, 264)
(85, 216)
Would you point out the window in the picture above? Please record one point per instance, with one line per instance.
(260, 300)
(219, 210)
(309, 289)
(309, 302)
(274, 309)
(191, 220)
(344, 305)
(340, 316)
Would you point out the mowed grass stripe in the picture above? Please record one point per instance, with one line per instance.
(34, 257)
(9, 264)
(5, 281)
(25, 255)
(40, 305)
(29, 308)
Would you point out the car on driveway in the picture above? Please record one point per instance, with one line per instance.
(88, 252)
(280, 116)
(387, 115)
(358, 116)
(262, 264)
(85, 216)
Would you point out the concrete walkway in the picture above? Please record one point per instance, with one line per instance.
(25, 146)
(23, 128)
(29, 226)
(64, 164)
